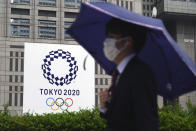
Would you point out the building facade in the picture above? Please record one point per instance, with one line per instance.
(179, 17)
(36, 21)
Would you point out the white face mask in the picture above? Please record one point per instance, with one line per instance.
(110, 50)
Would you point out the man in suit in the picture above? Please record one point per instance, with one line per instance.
(131, 102)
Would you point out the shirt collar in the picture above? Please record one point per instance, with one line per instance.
(124, 62)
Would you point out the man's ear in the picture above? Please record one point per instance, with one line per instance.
(130, 41)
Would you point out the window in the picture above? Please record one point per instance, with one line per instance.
(16, 54)
(144, 7)
(97, 0)
(10, 88)
(147, 7)
(16, 78)
(96, 100)
(47, 13)
(21, 88)
(122, 3)
(19, 21)
(106, 81)
(16, 64)
(21, 79)
(16, 88)
(96, 81)
(10, 78)
(22, 54)
(10, 99)
(22, 65)
(96, 90)
(96, 68)
(21, 99)
(17, 11)
(126, 4)
(101, 81)
(66, 36)
(66, 23)
(72, 3)
(70, 15)
(117, 2)
(47, 2)
(19, 30)
(16, 99)
(47, 32)
(20, 1)
(131, 5)
(46, 22)
(101, 70)
(11, 53)
(11, 64)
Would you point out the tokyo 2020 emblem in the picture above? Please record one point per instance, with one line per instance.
(59, 80)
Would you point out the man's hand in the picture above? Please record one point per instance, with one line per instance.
(103, 96)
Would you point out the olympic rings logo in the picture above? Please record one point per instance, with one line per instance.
(59, 103)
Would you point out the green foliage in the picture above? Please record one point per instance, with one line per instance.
(172, 118)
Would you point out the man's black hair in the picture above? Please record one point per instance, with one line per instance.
(138, 33)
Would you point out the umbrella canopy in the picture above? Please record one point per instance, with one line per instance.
(174, 70)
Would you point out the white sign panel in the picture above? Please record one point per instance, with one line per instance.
(57, 78)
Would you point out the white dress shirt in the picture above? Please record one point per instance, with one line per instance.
(120, 69)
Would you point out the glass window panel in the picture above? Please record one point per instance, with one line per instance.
(16, 88)
(96, 81)
(46, 22)
(11, 64)
(126, 3)
(11, 53)
(16, 99)
(96, 100)
(10, 78)
(70, 15)
(22, 54)
(122, 3)
(66, 36)
(47, 13)
(16, 78)
(20, 1)
(21, 99)
(10, 88)
(16, 54)
(47, 32)
(21, 78)
(47, 2)
(19, 21)
(10, 99)
(22, 65)
(19, 30)
(72, 3)
(18, 11)
(21, 88)
(101, 81)
(66, 23)
(16, 64)
(106, 81)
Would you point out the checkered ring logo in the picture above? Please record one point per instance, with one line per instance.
(52, 78)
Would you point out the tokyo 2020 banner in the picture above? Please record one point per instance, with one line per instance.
(57, 78)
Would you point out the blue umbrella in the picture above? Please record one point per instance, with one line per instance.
(174, 70)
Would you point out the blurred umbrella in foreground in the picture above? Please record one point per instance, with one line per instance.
(174, 70)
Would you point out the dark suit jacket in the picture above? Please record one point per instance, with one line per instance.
(133, 105)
